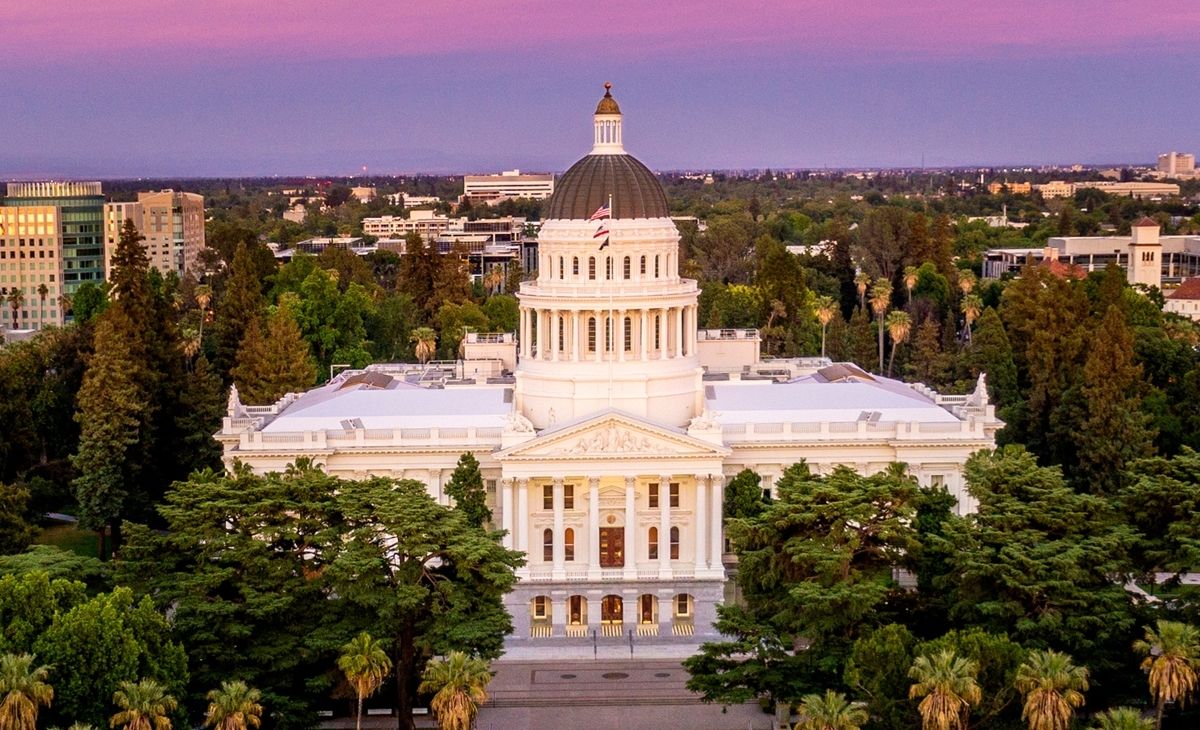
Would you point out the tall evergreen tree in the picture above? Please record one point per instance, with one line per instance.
(991, 353)
(240, 304)
(270, 366)
(202, 403)
(467, 489)
(927, 364)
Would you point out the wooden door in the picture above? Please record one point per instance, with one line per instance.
(612, 547)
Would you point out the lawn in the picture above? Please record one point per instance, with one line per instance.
(69, 537)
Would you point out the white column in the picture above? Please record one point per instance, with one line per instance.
(631, 554)
(700, 522)
(679, 332)
(522, 516)
(594, 528)
(664, 526)
(522, 335)
(542, 338)
(554, 324)
(716, 545)
(506, 516)
(662, 334)
(559, 551)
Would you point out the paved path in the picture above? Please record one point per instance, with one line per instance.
(612, 692)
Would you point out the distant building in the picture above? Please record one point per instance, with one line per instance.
(296, 214)
(1177, 165)
(412, 201)
(1147, 257)
(1014, 188)
(354, 244)
(428, 223)
(1061, 189)
(508, 185)
(1055, 189)
(1185, 301)
(171, 222)
(75, 240)
(363, 194)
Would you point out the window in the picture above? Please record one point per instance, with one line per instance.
(547, 496)
(674, 543)
(562, 334)
(937, 480)
(560, 267)
(548, 545)
(575, 610)
(653, 496)
(608, 267)
(656, 267)
(628, 334)
(591, 267)
(628, 268)
(575, 266)
(541, 604)
(683, 605)
(591, 334)
(646, 608)
(608, 344)
(569, 496)
(652, 544)
(675, 494)
(569, 544)
(643, 269)
(657, 331)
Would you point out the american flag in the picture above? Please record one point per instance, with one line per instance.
(602, 212)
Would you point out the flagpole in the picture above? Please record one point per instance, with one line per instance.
(613, 329)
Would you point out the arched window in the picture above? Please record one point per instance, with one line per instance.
(657, 331)
(591, 267)
(562, 334)
(608, 343)
(628, 268)
(674, 543)
(576, 605)
(548, 545)
(569, 544)
(652, 544)
(560, 268)
(591, 334)
(574, 266)
(628, 333)
(643, 270)
(655, 266)
(608, 267)
(646, 608)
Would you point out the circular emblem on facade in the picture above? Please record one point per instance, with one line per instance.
(611, 519)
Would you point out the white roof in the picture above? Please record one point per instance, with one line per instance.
(810, 400)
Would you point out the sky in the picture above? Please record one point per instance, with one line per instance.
(145, 88)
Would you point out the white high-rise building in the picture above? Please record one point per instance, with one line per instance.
(608, 427)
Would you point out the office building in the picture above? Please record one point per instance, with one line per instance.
(508, 185)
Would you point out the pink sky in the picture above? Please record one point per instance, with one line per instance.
(66, 31)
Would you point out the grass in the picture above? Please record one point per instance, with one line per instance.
(71, 538)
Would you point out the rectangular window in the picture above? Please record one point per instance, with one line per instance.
(937, 480)
(653, 496)
(539, 607)
(569, 496)
(675, 494)
(681, 605)
(547, 496)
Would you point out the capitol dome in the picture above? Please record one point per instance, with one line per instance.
(608, 172)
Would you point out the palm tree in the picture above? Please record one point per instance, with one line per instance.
(825, 309)
(910, 280)
(16, 300)
(881, 298)
(947, 684)
(145, 705)
(1053, 688)
(235, 706)
(43, 291)
(425, 340)
(81, 726)
(366, 665)
(1122, 718)
(831, 712)
(899, 326)
(966, 281)
(203, 296)
(24, 689)
(459, 683)
(971, 306)
(64, 304)
(1171, 652)
(494, 278)
(862, 280)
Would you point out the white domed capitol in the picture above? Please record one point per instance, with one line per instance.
(607, 427)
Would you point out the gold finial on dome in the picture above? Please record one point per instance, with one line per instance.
(608, 105)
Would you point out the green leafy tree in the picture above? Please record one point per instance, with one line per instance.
(991, 353)
(453, 321)
(29, 603)
(458, 684)
(240, 304)
(234, 706)
(877, 669)
(503, 312)
(272, 366)
(366, 665)
(831, 711)
(202, 401)
(996, 659)
(467, 489)
(744, 495)
(1122, 718)
(23, 691)
(55, 562)
(946, 686)
(1053, 688)
(16, 530)
(1171, 650)
(144, 705)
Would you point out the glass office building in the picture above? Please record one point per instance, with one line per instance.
(81, 225)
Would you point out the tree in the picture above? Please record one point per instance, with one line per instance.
(831, 711)
(16, 530)
(467, 489)
(424, 341)
(825, 308)
(899, 325)
(240, 304)
(1115, 431)
(454, 321)
(862, 281)
(16, 300)
(990, 353)
(1053, 688)
(1123, 718)
(744, 495)
(996, 658)
(234, 706)
(971, 306)
(1171, 650)
(365, 664)
(202, 401)
(280, 363)
(946, 685)
(459, 686)
(927, 363)
(881, 299)
(43, 291)
(911, 274)
(24, 689)
(877, 669)
(145, 705)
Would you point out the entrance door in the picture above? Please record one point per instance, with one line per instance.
(612, 547)
(611, 609)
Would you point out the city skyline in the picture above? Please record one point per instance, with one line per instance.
(222, 89)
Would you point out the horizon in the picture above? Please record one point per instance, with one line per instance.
(300, 90)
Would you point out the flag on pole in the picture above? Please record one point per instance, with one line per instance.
(603, 211)
(602, 231)
(604, 245)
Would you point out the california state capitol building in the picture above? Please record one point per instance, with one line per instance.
(607, 427)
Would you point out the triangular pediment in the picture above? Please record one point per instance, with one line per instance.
(612, 435)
